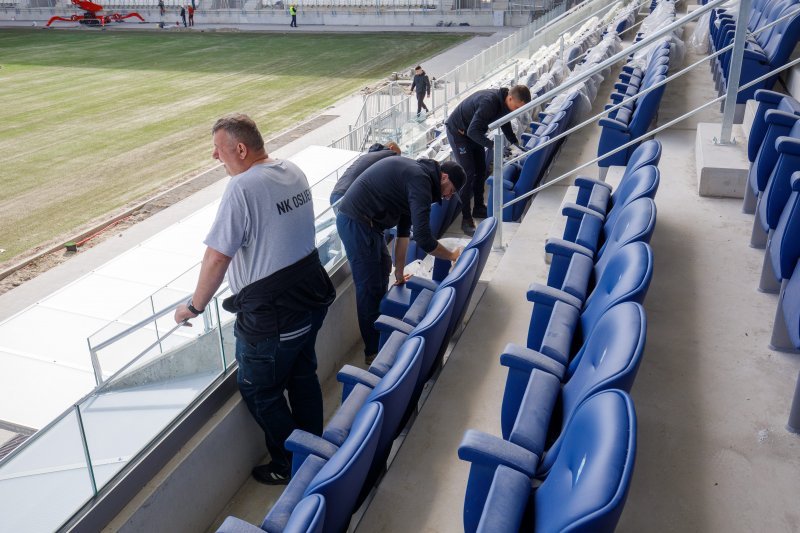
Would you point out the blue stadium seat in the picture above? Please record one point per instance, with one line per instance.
(771, 203)
(336, 473)
(306, 517)
(772, 121)
(433, 328)
(556, 331)
(608, 359)
(589, 228)
(783, 252)
(574, 268)
(597, 195)
(587, 484)
(528, 176)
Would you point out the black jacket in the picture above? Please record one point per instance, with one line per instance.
(376, 152)
(421, 83)
(397, 191)
(283, 301)
(472, 116)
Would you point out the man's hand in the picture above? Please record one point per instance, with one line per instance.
(455, 254)
(506, 151)
(402, 279)
(182, 314)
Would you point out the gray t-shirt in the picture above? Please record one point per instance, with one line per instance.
(265, 222)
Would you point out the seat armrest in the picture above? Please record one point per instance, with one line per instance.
(557, 246)
(586, 182)
(417, 284)
(613, 124)
(389, 324)
(352, 375)
(304, 443)
(572, 210)
(788, 145)
(795, 179)
(781, 118)
(622, 87)
(770, 97)
(235, 525)
(542, 294)
(525, 359)
(484, 449)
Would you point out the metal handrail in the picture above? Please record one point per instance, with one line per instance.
(607, 63)
(652, 132)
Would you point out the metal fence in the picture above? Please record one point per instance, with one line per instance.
(390, 114)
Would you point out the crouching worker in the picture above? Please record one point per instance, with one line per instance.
(394, 191)
(263, 237)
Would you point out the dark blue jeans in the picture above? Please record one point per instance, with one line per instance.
(472, 158)
(371, 265)
(268, 368)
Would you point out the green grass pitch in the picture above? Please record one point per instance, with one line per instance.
(93, 120)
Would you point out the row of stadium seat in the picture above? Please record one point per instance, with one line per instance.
(568, 425)
(764, 51)
(773, 195)
(645, 69)
(332, 474)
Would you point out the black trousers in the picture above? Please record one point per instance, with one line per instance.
(472, 158)
(421, 103)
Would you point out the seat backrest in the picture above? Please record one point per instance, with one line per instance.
(341, 478)
(784, 36)
(778, 188)
(636, 222)
(394, 390)
(640, 184)
(646, 107)
(790, 307)
(308, 516)
(462, 283)
(532, 171)
(626, 278)
(588, 483)
(433, 328)
(609, 359)
(647, 153)
(784, 245)
(482, 241)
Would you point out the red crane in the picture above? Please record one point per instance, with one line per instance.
(91, 15)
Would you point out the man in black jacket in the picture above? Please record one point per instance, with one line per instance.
(394, 191)
(466, 132)
(422, 85)
(375, 153)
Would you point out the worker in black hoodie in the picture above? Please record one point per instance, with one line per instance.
(422, 85)
(467, 126)
(375, 153)
(394, 191)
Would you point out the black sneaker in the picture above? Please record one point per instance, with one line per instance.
(268, 475)
(479, 211)
(468, 226)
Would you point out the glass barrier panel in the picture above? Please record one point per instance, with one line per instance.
(46, 481)
(130, 410)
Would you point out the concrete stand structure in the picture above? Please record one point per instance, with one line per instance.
(721, 169)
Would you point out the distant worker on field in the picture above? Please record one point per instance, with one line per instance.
(263, 238)
(422, 85)
(467, 126)
(183, 16)
(375, 153)
(293, 13)
(191, 16)
(161, 7)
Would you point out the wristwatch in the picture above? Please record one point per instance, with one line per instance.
(193, 309)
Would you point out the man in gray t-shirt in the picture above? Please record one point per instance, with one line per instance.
(263, 236)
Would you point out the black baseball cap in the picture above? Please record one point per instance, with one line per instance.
(456, 174)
